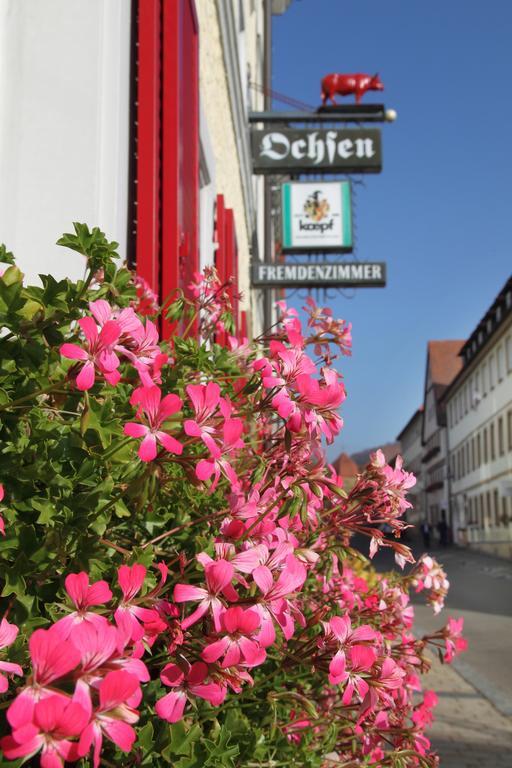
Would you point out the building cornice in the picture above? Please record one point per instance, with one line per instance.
(230, 53)
(475, 361)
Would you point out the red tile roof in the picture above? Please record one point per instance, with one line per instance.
(445, 362)
(346, 467)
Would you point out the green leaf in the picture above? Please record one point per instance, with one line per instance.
(6, 257)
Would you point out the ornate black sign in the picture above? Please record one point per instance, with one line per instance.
(306, 150)
(344, 274)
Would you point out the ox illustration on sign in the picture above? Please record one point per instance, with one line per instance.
(344, 85)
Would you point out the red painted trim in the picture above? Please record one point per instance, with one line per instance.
(148, 143)
(170, 161)
(180, 149)
(243, 324)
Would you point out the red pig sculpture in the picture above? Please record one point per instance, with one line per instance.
(347, 84)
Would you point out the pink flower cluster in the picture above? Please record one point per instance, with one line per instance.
(85, 681)
(111, 335)
(429, 575)
(276, 578)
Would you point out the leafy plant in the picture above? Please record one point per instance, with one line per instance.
(178, 580)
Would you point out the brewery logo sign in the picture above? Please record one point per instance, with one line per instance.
(316, 216)
(303, 150)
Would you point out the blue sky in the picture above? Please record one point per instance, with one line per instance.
(440, 213)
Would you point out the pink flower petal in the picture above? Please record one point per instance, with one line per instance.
(169, 443)
(89, 329)
(171, 707)
(73, 352)
(133, 429)
(147, 449)
(86, 377)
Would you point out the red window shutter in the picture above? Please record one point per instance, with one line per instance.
(243, 324)
(231, 263)
(147, 194)
(167, 146)
(180, 147)
(220, 237)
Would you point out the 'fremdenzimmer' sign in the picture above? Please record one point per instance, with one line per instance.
(341, 274)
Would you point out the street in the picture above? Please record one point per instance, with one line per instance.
(473, 725)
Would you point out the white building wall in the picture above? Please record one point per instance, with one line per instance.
(480, 407)
(64, 106)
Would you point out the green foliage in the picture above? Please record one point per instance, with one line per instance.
(77, 497)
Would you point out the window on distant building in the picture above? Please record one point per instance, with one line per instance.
(504, 513)
(466, 398)
(509, 423)
(480, 511)
(491, 440)
(500, 362)
(473, 453)
(498, 314)
(488, 510)
(468, 460)
(492, 372)
(496, 507)
(486, 455)
(509, 353)
(484, 378)
(501, 440)
(479, 450)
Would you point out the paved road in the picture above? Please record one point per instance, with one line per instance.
(481, 592)
(473, 727)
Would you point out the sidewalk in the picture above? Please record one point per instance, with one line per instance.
(468, 732)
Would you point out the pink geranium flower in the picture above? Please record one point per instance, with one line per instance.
(274, 603)
(130, 616)
(237, 645)
(232, 430)
(83, 595)
(191, 683)
(157, 410)
(99, 353)
(205, 401)
(339, 633)
(114, 715)
(52, 659)
(8, 633)
(218, 580)
(455, 643)
(54, 723)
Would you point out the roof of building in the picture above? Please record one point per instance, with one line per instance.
(417, 414)
(445, 362)
(345, 466)
(389, 450)
(497, 314)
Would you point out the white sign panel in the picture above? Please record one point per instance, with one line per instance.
(317, 216)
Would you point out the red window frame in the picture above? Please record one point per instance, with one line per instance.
(167, 168)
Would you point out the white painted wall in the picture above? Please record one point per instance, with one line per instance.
(64, 122)
(468, 416)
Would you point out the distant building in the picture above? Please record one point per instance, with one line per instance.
(479, 407)
(412, 453)
(346, 468)
(443, 365)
